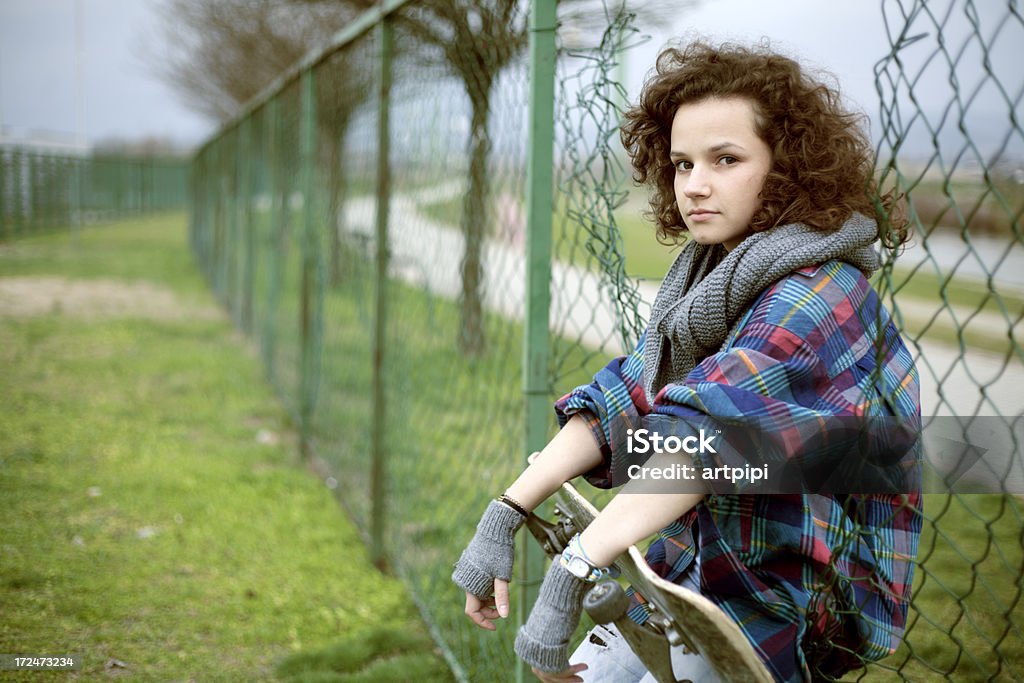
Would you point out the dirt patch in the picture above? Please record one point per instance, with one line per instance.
(41, 295)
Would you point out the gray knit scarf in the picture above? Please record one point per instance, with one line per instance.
(707, 290)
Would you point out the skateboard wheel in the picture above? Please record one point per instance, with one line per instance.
(606, 602)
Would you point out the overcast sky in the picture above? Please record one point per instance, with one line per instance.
(40, 62)
(39, 71)
(845, 38)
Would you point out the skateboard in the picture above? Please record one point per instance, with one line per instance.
(680, 616)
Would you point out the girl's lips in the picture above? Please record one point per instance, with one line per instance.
(700, 216)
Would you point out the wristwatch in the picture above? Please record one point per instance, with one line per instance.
(576, 563)
(580, 568)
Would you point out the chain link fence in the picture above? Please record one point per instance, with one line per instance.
(366, 223)
(47, 191)
(950, 92)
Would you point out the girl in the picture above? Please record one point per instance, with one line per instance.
(766, 314)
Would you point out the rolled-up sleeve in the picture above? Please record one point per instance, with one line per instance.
(772, 399)
(615, 394)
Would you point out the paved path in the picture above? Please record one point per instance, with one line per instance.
(427, 254)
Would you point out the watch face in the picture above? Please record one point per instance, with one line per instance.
(577, 566)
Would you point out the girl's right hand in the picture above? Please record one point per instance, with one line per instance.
(481, 610)
(485, 567)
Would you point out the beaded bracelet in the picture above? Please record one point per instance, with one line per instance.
(513, 503)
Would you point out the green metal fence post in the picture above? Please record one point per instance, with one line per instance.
(118, 182)
(238, 223)
(248, 238)
(310, 296)
(254, 223)
(217, 260)
(51, 169)
(58, 196)
(130, 187)
(138, 185)
(48, 197)
(31, 201)
(210, 211)
(270, 247)
(233, 223)
(5, 223)
(208, 175)
(198, 227)
(17, 200)
(45, 191)
(141, 205)
(543, 57)
(378, 467)
(75, 201)
(122, 174)
(66, 188)
(39, 191)
(62, 192)
(195, 221)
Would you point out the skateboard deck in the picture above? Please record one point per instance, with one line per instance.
(680, 616)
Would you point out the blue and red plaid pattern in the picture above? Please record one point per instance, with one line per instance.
(819, 584)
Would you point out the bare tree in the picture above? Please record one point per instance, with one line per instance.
(476, 40)
(219, 54)
(344, 83)
(223, 52)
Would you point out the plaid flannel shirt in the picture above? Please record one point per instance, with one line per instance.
(819, 584)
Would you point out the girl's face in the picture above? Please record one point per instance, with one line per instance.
(721, 163)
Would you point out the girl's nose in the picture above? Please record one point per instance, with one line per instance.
(696, 184)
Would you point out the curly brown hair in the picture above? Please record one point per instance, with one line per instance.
(822, 162)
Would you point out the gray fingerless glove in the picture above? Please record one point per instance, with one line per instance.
(543, 641)
(489, 555)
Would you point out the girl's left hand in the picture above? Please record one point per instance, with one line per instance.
(482, 610)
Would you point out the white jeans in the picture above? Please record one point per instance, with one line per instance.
(609, 659)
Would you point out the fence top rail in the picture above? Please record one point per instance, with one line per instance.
(360, 25)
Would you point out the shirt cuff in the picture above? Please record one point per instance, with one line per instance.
(576, 403)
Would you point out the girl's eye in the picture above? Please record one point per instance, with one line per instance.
(683, 165)
(727, 160)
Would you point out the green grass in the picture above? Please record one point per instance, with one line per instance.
(453, 436)
(157, 252)
(967, 620)
(143, 521)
